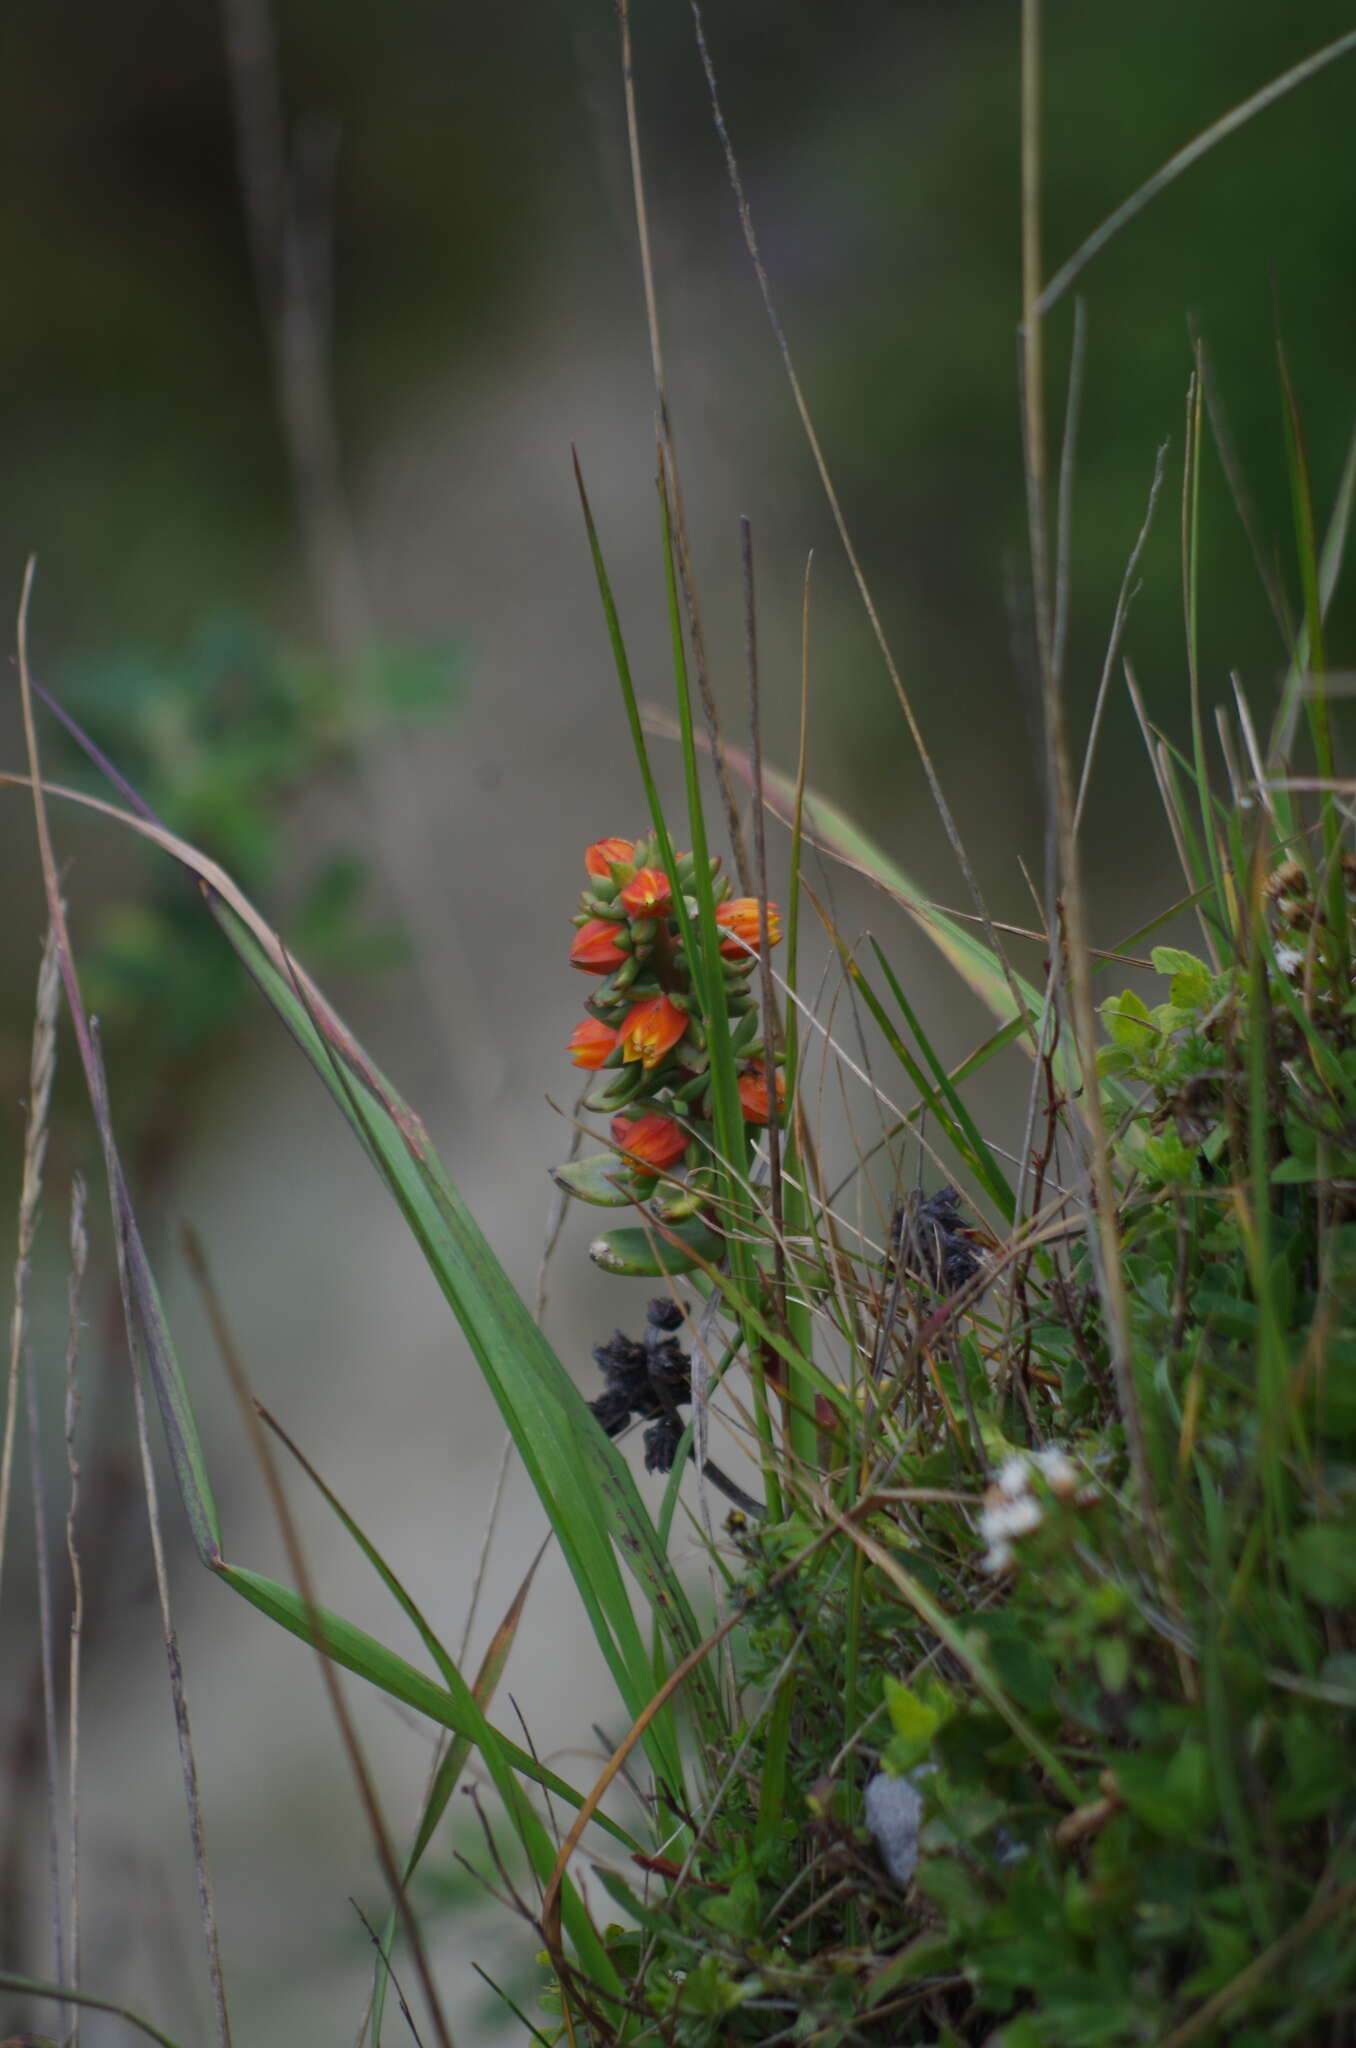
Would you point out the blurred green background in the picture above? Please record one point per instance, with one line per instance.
(412, 812)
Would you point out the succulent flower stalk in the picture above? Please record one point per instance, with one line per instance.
(645, 1024)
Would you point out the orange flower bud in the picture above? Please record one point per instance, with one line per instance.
(753, 1093)
(605, 854)
(651, 1029)
(595, 947)
(648, 894)
(591, 1042)
(742, 915)
(651, 1142)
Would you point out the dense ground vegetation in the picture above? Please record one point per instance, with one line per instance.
(1023, 1712)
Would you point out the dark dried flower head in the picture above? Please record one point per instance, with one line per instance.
(661, 1443)
(611, 1411)
(934, 1243)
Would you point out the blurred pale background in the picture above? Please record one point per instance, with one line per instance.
(487, 314)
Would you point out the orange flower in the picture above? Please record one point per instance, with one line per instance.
(651, 1142)
(651, 1029)
(605, 854)
(742, 915)
(648, 894)
(591, 1042)
(595, 947)
(753, 1093)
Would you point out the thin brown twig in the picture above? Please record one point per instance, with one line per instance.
(1123, 602)
(42, 1072)
(47, 1669)
(1102, 1221)
(196, 1259)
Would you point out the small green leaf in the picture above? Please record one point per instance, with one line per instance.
(1175, 1796)
(1168, 1160)
(596, 1179)
(915, 1720)
(1322, 1562)
(927, 1955)
(952, 1890)
(1191, 978)
(1112, 1657)
(1127, 1019)
(636, 1253)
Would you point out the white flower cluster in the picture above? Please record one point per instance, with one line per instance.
(1011, 1509)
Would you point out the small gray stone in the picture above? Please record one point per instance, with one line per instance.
(894, 1814)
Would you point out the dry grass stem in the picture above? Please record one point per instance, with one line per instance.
(91, 1060)
(296, 1557)
(47, 1668)
(79, 1254)
(42, 1066)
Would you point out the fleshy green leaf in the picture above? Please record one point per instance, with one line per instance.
(594, 1179)
(642, 1254)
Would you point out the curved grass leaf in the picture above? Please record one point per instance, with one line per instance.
(35, 1987)
(584, 1484)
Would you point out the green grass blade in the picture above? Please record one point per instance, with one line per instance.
(833, 832)
(149, 1335)
(982, 1161)
(448, 1775)
(581, 1479)
(408, 1607)
(362, 1654)
(732, 1136)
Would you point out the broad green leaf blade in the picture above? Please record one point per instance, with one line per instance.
(408, 1607)
(364, 1655)
(565, 1452)
(171, 1392)
(559, 1442)
(824, 825)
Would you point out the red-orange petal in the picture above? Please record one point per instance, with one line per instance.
(753, 1093)
(648, 893)
(592, 1042)
(743, 916)
(651, 1029)
(651, 1142)
(595, 947)
(605, 854)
